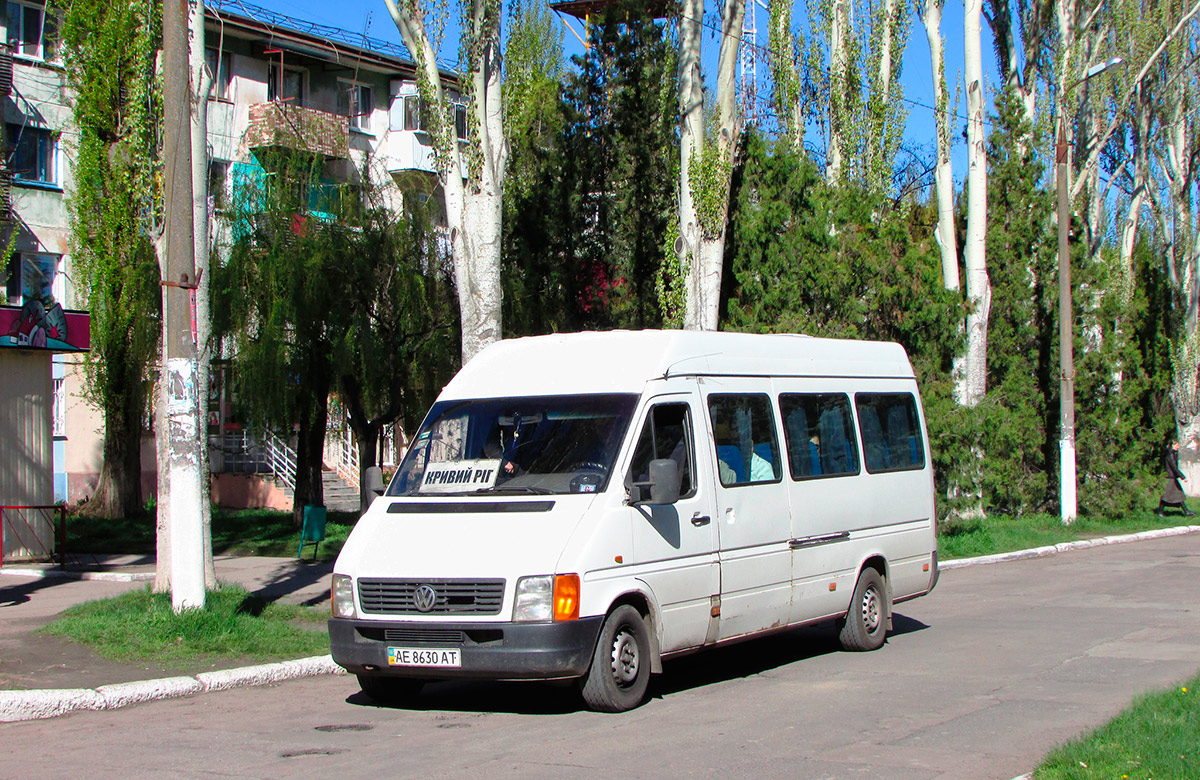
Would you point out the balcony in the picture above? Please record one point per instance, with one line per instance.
(409, 151)
(288, 126)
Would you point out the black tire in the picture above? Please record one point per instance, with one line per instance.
(620, 670)
(865, 625)
(389, 690)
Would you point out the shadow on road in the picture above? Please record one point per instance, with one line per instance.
(708, 667)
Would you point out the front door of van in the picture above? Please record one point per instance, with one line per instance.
(753, 518)
(675, 545)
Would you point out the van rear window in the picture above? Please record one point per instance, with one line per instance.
(891, 431)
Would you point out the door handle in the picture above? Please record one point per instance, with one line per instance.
(699, 520)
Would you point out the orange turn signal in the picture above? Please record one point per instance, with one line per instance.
(566, 596)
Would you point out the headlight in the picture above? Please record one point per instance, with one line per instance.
(534, 599)
(342, 591)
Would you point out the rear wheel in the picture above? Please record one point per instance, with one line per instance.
(620, 670)
(865, 625)
(389, 690)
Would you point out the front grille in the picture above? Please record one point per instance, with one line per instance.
(435, 636)
(453, 597)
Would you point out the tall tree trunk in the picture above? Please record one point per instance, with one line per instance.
(839, 30)
(971, 382)
(474, 209)
(945, 234)
(785, 78)
(119, 488)
(310, 449)
(691, 147)
(706, 170)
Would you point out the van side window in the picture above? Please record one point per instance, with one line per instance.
(891, 431)
(666, 434)
(744, 433)
(819, 435)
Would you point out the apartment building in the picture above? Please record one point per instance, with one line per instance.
(278, 82)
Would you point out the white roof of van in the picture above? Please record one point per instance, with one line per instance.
(622, 361)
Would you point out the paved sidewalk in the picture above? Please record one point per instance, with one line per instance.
(44, 677)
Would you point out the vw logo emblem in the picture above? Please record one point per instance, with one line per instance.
(424, 598)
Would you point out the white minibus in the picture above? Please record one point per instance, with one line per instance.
(583, 506)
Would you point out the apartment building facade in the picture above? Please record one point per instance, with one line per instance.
(279, 82)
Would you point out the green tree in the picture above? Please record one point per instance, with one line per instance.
(329, 287)
(877, 276)
(585, 244)
(109, 56)
(400, 340)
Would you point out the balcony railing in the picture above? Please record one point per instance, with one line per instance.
(288, 126)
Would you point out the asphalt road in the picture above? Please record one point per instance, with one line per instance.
(978, 680)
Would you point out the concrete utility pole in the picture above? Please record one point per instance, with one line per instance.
(179, 347)
(1068, 479)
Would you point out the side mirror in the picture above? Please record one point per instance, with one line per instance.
(663, 485)
(374, 477)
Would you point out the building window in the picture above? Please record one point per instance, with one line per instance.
(218, 185)
(356, 101)
(29, 30)
(460, 121)
(218, 64)
(59, 413)
(33, 154)
(285, 84)
(416, 115)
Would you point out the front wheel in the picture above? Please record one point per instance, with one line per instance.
(865, 625)
(620, 670)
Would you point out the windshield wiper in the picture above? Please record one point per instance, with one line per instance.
(539, 491)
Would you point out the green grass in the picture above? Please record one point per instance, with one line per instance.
(997, 533)
(235, 532)
(1157, 738)
(234, 627)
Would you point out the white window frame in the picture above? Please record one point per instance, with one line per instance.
(222, 85)
(350, 102)
(59, 411)
(16, 32)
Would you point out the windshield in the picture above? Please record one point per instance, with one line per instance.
(550, 445)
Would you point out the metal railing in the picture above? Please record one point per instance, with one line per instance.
(281, 459)
(32, 528)
(346, 459)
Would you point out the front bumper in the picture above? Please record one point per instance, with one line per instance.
(498, 651)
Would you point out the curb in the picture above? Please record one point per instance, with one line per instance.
(103, 576)
(50, 703)
(1055, 549)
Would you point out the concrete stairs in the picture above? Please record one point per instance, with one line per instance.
(339, 496)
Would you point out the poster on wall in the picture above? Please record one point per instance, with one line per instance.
(40, 322)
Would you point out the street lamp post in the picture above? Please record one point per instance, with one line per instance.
(1068, 498)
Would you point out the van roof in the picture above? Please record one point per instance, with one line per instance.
(622, 361)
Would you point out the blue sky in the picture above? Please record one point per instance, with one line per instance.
(371, 17)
